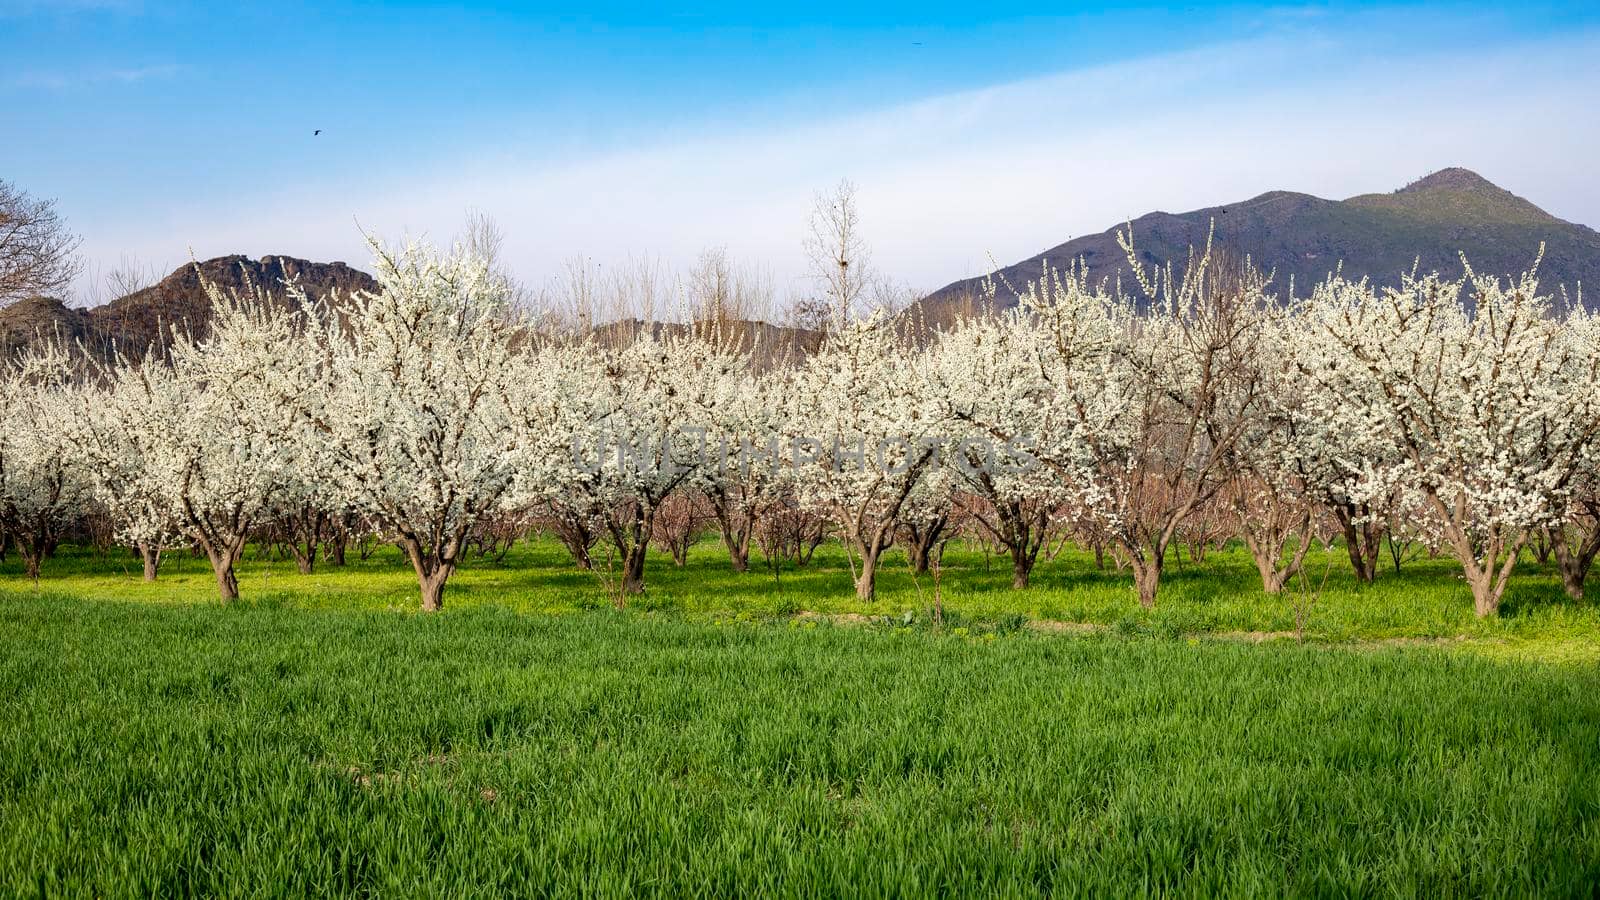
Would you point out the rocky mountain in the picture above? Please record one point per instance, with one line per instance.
(1433, 220)
(136, 321)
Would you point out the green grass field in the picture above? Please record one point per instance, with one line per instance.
(1426, 601)
(321, 736)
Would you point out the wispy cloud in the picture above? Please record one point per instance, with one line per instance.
(1008, 170)
(60, 80)
(140, 73)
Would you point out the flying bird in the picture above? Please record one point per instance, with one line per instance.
(317, 132)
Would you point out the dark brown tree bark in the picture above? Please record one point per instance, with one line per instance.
(922, 541)
(150, 555)
(434, 564)
(871, 551)
(576, 534)
(736, 523)
(1363, 542)
(224, 556)
(631, 536)
(1574, 554)
(1147, 577)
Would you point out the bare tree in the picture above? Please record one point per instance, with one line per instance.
(636, 292)
(482, 237)
(577, 294)
(722, 295)
(101, 285)
(711, 289)
(129, 276)
(808, 313)
(677, 525)
(38, 252)
(1197, 398)
(840, 261)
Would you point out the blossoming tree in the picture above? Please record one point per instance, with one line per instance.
(43, 483)
(213, 432)
(1494, 404)
(413, 409)
(988, 379)
(614, 431)
(858, 433)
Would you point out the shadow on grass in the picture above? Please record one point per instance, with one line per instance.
(1427, 598)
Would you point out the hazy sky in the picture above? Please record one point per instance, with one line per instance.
(972, 131)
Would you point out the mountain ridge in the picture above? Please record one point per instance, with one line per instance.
(1302, 237)
(1298, 236)
(133, 323)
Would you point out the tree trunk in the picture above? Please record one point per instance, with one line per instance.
(922, 542)
(870, 547)
(305, 557)
(224, 553)
(738, 555)
(227, 580)
(34, 543)
(1147, 575)
(1022, 532)
(1543, 545)
(919, 553)
(1021, 568)
(303, 532)
(1487, 567)
(433, 569)
(1024, 536)
(1363, 544)
(581, 558)
(432, 587)
(633, 542)
(736, 532)
(633, 569)
(1574, 562)
(867, 579)
(1372, 546)
(1272, 578)
(577, 537)
(807, 543)
(1267, 551)
(151, 555)
(1486, 594)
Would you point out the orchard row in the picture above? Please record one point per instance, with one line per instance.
(1459, 413)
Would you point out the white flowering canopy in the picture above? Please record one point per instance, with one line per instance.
(43, 482)
(857, 426)
(1484, 412)
(413, 417)
(1466, 412)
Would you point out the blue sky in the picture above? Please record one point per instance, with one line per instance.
(617, 130)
